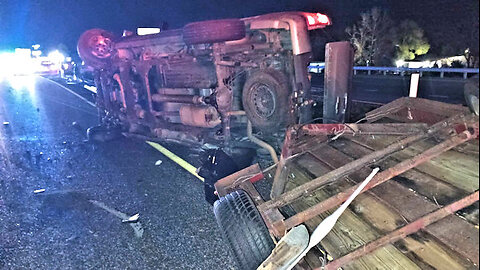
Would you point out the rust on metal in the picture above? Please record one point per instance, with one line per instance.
(416, 110)
(338, 173)
(380, 178)
(287, 143)
(400, 233)
(273, 218)
(280, 179)
(363, 129)
(229, 183)
(338, 81)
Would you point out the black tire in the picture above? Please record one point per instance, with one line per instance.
(209, 191)
(471, 94)
(213, 31)
(243, 228)
(265, 99)
(96, 48)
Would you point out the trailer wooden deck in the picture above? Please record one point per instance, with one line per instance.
(382, 212)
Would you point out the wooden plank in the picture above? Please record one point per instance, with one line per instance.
(457, 234)
(442, 192)
(384, 219)
(412, 206)
(456, 168)
(425, 184)
(332, 176)
(409, 229)
(429, 253)
(350, 232)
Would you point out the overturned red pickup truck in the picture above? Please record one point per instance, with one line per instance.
(187, 85)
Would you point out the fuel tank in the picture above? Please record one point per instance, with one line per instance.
(199, 116)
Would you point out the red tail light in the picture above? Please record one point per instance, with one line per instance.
(316, 20)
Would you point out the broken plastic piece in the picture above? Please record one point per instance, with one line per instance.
(158, 162)
(39, 191)
(133, 218)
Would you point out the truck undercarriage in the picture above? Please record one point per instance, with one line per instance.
(189, 85)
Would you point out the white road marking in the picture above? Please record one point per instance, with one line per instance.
(137, 227)
(72, 92)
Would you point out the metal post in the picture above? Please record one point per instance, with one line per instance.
(303, 86)
(280, 179)
(338, 81)
(415, 78)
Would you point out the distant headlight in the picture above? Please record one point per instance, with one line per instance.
(56, 57)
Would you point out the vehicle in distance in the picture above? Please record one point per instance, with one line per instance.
(186, 85)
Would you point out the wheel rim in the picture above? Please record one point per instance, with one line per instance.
(263, 100)
(101, 46)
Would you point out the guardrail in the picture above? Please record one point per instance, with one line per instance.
(317, 67)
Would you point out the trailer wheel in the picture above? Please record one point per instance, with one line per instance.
(471, 94)
(213, 31)
(96, 47)
(243, 228)
(265, 99)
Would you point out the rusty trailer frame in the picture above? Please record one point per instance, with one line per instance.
(413, 120)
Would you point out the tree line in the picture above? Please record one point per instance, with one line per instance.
(379, 40)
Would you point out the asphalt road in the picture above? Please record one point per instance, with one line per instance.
(73, 224)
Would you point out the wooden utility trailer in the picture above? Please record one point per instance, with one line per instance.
(419, 212)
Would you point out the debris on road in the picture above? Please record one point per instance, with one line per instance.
(182, 163)
(133, 218)
(6, 123)
(158, 163)
(137, 227)
(39, 191)
(71, 238)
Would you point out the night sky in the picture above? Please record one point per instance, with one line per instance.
(52, 22)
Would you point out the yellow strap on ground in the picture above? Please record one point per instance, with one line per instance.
(187, 166)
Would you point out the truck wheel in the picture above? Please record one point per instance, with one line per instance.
(213, 31)
(96, 47)
(243, 228)
(265, 99)
(471, 94)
